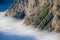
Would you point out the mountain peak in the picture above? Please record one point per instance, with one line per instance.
(43, 14)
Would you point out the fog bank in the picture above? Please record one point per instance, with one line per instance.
(17, 27)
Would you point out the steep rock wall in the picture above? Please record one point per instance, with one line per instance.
(43, 14)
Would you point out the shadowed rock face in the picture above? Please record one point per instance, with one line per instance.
(20, 15)
(38, 13)
(59, 17)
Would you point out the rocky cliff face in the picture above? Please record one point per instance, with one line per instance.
(43, 14)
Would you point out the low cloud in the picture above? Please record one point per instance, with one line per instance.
(17, 27)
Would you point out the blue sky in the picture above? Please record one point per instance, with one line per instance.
(4, 36)
(5, 4)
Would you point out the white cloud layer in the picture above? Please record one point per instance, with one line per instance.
(13, 26)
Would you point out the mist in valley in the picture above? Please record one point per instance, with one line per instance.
(11, 26)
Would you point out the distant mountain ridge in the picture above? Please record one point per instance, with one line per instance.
(43, 14)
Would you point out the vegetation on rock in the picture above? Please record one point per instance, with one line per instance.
(45, 21)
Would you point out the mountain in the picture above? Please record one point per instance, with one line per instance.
(42, 14)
